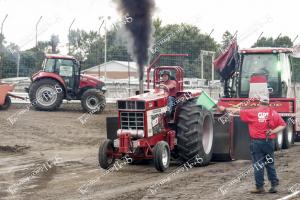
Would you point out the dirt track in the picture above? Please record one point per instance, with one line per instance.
(45, 136)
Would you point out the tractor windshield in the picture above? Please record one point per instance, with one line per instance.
(263, 64)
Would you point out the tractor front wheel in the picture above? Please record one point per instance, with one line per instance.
(6, 104)
(161, 156)
(46, 94)
(105, 155)
(195, 135)
(93, 101)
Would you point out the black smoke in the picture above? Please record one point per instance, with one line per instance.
(140, 29)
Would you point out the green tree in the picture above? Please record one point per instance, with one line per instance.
(283, 41)
(264, 42)
(183, 39)
(226, 40)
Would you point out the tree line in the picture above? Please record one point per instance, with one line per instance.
(88, 47)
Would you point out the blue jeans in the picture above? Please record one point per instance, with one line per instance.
(171, 103)
(262, 153)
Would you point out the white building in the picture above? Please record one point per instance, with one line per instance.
(114, 70)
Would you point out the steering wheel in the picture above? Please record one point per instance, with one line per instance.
(164, 87)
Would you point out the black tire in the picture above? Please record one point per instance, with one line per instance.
(93, 101)
(279, 141)
(49, 99)
(161, 156)
(6, 104)
(288, 136)
(106, 161)
(195, 136)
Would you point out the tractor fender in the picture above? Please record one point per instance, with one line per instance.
(45, 75)
(60, 82)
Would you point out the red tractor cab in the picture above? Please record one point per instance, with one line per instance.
(143, 132)
(60, 79)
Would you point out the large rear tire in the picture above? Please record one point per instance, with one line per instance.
(93, 101)
(6, 104)
(195, 136)
(46, 94)
(279, 141)
(288, 136)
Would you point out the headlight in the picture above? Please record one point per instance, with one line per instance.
(103, 88)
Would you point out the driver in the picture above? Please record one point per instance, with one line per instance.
(170, 86)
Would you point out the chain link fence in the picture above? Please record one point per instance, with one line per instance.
(24, 63)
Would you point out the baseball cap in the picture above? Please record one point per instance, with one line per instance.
(166, 73)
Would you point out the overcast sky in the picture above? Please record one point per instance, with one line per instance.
(249, 17)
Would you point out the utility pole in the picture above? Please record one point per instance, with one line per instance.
(105, 49)
(69, 35)
(36, 31)
(99, 73)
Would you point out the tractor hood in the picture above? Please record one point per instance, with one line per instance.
(89, 78)
(91, 81)
(155, 98)
(153, 94)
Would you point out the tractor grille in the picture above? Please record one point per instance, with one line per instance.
(132, 120)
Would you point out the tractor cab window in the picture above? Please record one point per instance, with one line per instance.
(65, 67)
(49, 65)
(260, 64)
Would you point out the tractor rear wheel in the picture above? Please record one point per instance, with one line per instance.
(46, 94)
(288, 136)
(279, 141)
(6, 104)
(195, 135)
(105, 155)
(93, 101)
(161, 156)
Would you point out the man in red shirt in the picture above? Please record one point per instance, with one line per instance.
(170, 87)
(264, 123)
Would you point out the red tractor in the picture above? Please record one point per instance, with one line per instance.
(60, 79)
(143, 132)
(259, 70)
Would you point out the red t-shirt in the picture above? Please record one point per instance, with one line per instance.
(258, 119)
